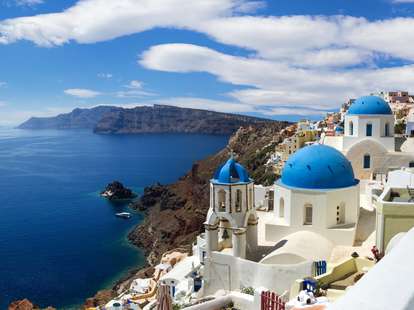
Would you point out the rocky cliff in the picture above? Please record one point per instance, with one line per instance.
(145, 119)
(176, 212)
(77, 119)
(163, 119)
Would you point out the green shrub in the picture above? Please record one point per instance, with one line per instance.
(247, 290)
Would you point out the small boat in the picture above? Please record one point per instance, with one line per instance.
(124, 215)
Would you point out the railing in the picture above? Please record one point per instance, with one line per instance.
(320, 267)
(272, 301)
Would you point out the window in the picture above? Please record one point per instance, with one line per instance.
(369, 130)
(222, 200)
(238, 200)
(340, 213)
(411, 164)
(271, 200)
(387, 129)
(351, 128)
(308, 214)
(281, 207)
(367, 161)
(250, 199)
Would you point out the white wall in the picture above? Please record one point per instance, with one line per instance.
(324, 205)
(378, 130)
(232, 273)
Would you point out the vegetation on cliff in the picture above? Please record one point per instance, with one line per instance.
(176, 212)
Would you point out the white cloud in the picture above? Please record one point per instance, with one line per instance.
(135, 89)
(28, 2)
(276, 84)
(82, 93)
(135, 84)
(2, 84)
(294, 60)
(206, 104)
(105, 75)
(342, 40)
(134, 93)
(250, 7)
(90, 21)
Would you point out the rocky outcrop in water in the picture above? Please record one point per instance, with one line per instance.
(116, 191)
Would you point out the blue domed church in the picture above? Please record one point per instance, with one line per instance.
(368, 140)
(317, 192)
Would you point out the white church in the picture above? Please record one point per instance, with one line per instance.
(369, 141)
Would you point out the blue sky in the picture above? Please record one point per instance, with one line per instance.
(277, 59)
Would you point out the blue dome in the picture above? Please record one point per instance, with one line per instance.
(339, 129)
(318, 167)
(369, 105)
(231, 172)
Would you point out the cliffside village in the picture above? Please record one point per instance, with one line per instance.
(333, 232)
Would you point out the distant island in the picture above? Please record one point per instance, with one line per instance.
(145, 119)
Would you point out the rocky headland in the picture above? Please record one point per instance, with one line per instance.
(145, 119)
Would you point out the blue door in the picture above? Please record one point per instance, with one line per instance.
(369, 130)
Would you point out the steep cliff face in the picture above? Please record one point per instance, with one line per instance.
(162, 119)
(77, 119)
(150, 119)
(176, 212)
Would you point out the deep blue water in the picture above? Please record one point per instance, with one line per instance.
(59, 241)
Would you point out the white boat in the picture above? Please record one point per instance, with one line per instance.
(125, 215)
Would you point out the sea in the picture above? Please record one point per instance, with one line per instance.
(60, 242)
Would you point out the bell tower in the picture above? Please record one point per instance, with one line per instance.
(231, 221)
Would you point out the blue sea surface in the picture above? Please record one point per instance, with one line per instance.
(60, 241)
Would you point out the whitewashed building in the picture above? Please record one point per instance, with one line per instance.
(368, 140)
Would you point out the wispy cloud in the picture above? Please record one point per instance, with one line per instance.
(2, 84)
(82, 93)
(105, 75)
(134, 89)
(28, 2)
(135, 84)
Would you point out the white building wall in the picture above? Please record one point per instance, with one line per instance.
(232, 273)
(282, 192)
(324, 205)
(378, 130)
(348, 196)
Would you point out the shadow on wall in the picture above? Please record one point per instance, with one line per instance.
(365, 226)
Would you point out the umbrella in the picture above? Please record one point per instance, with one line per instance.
(164, 301)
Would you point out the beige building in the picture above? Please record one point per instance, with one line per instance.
(395, 207)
